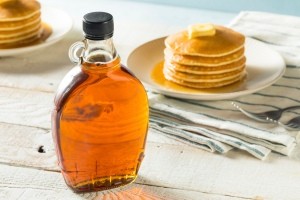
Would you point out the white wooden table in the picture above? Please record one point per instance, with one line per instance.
(171, 170)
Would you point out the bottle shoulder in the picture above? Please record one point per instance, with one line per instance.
(109, 85)
(71, 80)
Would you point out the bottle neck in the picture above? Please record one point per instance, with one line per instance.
(99, 51)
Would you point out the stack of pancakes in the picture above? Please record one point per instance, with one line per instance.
(20, 22)
(206, 61)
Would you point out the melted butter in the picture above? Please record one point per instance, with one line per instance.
(45, 34)
(158, 77)
(198, 30)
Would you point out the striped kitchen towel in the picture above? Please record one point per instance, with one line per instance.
(216, 125)
(280, 32)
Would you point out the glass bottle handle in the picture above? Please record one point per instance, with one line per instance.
(74, 54)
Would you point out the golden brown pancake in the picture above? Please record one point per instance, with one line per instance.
(21, 38)
(205, 84)
(203, 78)
(206, 69)
(209, 59)
(13, 33)
(15, 10)
(20, 22)
(224, 42)
(202, 60)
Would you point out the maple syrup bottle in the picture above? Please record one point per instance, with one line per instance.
(101, 113)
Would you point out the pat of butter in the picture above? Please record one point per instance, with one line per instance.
(198, 30)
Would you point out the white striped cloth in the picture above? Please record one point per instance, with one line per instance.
(280, 32)
(217, 126)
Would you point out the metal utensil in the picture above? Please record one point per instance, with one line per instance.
(293, 124)
(268, 116)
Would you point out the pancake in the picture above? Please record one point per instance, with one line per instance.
(205, 56)
(206, 69)
(11, 40)
(20, 22)
(225, 41)
(205, 84)
(202, 60)
(203, 78)
(16, 25)
(15, 10)
(14, 34)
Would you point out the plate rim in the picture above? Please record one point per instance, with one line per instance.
(49, 41)
(210, 96)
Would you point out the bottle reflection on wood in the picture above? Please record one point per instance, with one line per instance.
(100, 119)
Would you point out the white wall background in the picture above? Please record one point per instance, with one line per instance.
(291, 7)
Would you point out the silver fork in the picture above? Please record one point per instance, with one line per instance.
(268, 116)
(293, 124)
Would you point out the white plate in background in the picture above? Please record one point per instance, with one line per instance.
(58, 20)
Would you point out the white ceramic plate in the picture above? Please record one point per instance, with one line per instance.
(61, 24)
(264, 66)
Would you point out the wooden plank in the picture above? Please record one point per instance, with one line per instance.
(33, 109)
(132, 192)
(19, 146)
(173, 166)
(22, 184)
(26, 107)
(234, 174)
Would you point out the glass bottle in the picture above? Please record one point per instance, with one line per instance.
(101, 113)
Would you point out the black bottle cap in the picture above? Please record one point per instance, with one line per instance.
(98, 25)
